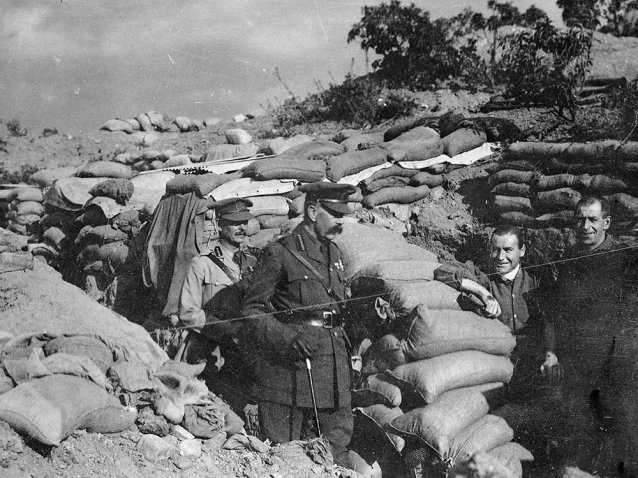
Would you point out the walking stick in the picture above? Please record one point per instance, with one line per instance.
(312, 393)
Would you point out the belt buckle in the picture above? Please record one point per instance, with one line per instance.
(327, 320)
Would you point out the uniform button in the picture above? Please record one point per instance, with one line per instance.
(305, 277)
(334, 333)
(331, 269)
(334, 311)
(513, 296)
(515, 316)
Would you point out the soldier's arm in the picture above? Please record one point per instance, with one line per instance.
(190, 300)
(453, 273)
(260, 326)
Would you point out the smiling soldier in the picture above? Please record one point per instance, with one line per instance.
(505, 294)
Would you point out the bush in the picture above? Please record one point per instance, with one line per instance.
(13, 126)
(17, 177)
(46, 132)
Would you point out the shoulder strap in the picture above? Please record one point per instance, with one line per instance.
(314, 271)
(224, 268)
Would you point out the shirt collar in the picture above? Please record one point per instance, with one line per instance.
(511, 274)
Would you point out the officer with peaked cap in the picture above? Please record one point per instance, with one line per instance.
(211, 294)
(296, 301)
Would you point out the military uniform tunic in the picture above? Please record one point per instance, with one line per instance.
(282, 298)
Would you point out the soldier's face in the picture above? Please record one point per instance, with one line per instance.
(590, 225)
(233, 232)
(505, 253)
(327, 224)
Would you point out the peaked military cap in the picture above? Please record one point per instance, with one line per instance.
(333, 197)
(234, 209)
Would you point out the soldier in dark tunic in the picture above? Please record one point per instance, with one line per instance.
(295, 304)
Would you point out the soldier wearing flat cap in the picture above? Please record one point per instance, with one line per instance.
(211, 292)
(296, 302)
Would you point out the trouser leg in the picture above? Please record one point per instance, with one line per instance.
(280, 423)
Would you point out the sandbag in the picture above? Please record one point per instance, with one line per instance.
(556, 200)
(435, 376)
(237, 136)
(49, 409)
(23, 219)
(404, 296)
(364, 245)
(449, 122)
(264, 238)
(46, 177)
(104, 169)
(376, 389)
(394, 170)
(433, 333)
(58, 219)
(424, 178)
(226, 151)
(437, 424)
(117, 125)
(82, 345)
(399, 195)
(382, 415)
(354, 162)
(516, 218)
(120, 190)
(55, 236)
(27, 194)
(273, 205)
(575, 152)
(177, 160)
(496, 129)
(318, 149)
(270, 221)
(512, 176)
(100, 235)
(116, 254)
(511, 203)
(486, 433)
(418, 150)
(384, 354)
(28, 207)
(401, 270)
(406, 125)
(201, 184)
(462, 140)
(145, 122)
(305, 170)
(418, 133)
(555, 219)
(252, 227)
(623, 205)
(510, 451)
(511, 189)
(387, 182)
(279, 145)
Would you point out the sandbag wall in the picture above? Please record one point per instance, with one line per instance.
(424, 381)
(22, 209)
(538, 184)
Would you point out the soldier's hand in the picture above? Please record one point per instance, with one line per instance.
(552, 369)
(492, 308)
(301, 348)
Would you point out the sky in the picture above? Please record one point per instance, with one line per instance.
(73, 64)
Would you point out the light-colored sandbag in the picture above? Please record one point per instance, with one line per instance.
(404, 296)
(362, 141)
(435, 376)
(382, 415)
(104, 169)
(145, 122)
(264, 238)
(399, 195)
(418, 133)
(23, 219)
(252, 227)
(484, 434)
(437, 332)
(387, 182)
(424, 178)
(249, 188)
(279, 145)
(28, 207)
(354, 162)
(183, 123)
(226, 151)
(376, 389)
(27, 194)
(149, 189)
(394, 170)
(511, 450)
(556, 200)
(237, 136)
(271, 221)
(273, 205)
(317, 149)
(364, 245)
(401, 270)
(416, 150)
(70, 194)
(178, 160)
(46, 177)
(517, 218)
(157, 119)
(511, 203)
(512, 176)
(511, 189)
(437, 424)
(281, 168)
(575, 152)
(54, 235)
(114, 125)
(134, 123)
(462, 140)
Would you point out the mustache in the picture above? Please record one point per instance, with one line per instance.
(337, 229)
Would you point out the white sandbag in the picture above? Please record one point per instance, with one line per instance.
(376, 389)
(382, 415)
(117, 125)
(279, 145)
(484, 434)
(237, 136)
(27, 194)
(437, 424)
(437, 332)
(407, 270)
(364, 245)
(271, 205)
(149, 189)
(247, 187)
(226, 151)
(435, 376)
(46, 177)
(385, 353)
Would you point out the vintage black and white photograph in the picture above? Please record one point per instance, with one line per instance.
(319, 238)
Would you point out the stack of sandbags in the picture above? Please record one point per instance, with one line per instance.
(153, 121)
(25, 208)
(5, 194)
(539, 184)
(153, 159)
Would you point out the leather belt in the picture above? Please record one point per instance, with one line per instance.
(325, 319)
